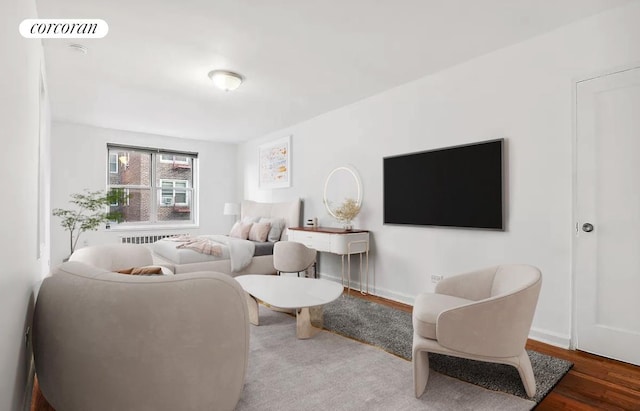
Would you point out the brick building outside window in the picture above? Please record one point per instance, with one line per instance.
(159, 185)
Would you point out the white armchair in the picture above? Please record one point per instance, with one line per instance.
(483, 315)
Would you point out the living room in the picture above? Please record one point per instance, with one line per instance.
(523, 91)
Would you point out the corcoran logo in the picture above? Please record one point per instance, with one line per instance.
(64, 28)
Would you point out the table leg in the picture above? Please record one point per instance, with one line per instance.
(252, 305)
(308, 322)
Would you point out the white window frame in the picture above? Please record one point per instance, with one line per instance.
(155, 190)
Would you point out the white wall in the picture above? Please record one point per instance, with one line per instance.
(522, 93)
(79, 162)
(20, 266)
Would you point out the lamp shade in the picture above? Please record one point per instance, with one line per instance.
(231, 209)
(225, 80)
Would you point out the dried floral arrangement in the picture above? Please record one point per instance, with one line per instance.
(348, 210)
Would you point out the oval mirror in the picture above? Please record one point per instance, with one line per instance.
(343, 194)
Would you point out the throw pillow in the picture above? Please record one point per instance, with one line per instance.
(240, 230)
(259, 231)
(277, 225)
(141, 271)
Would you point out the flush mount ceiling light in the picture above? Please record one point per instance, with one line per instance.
(225, 80)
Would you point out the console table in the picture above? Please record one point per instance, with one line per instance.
(337, 241)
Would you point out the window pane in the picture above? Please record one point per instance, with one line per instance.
(166, 195)
(136, 207)
(133, 168)
(113, 163)
(180, 197)
(180, 210)
(175, 171)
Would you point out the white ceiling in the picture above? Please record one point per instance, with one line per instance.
(301, 58)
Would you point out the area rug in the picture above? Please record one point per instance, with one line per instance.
(391, 330)
(332, 372)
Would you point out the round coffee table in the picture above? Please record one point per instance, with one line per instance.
(304, 295)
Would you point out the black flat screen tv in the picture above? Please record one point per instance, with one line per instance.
(459, 186)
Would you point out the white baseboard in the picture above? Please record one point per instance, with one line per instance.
(378, 292)
(550, 337)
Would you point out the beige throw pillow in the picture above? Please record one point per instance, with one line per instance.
(240, 230)
(141, 271)
(259, 231)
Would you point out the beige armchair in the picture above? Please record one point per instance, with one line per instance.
(483, 315)
(107, 341)
(292, 257)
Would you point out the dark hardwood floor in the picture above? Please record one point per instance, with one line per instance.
(594, 383)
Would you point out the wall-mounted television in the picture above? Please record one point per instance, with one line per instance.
(459, 186)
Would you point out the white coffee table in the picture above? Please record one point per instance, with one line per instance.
(304, 295)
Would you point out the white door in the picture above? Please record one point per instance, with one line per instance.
(607, 244)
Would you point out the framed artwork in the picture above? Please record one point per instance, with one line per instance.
(274, 163)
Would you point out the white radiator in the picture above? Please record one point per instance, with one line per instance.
(146, 239)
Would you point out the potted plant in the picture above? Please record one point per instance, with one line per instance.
(89, 212)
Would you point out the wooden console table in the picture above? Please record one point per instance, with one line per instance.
(337, 241)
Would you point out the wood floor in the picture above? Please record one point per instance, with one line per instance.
(594, 383)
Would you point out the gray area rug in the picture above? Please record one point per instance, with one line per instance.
(392, 330)
(331, 372)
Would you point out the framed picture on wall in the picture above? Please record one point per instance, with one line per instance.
(274, 163)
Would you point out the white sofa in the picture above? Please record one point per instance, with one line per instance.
(114, 257)
(108, 341)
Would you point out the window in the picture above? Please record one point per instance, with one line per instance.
(174, 192)
(113, 163)
(168, 158)
(159, 185)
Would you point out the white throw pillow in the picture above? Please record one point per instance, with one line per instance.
(277, 225)
(250, 219)
(240, 230)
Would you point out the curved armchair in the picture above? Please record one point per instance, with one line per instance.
(292, 257)
(107, 341)
(483, 315)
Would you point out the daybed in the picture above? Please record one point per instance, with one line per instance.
(166, 252)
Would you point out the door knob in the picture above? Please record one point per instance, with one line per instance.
(587, 227)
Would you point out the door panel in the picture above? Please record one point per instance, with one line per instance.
(607, 259)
